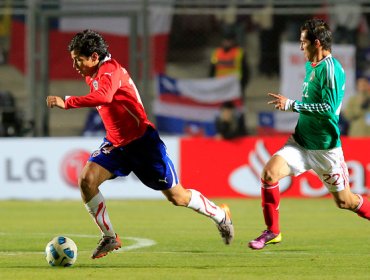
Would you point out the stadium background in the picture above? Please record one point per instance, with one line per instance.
(175, 38)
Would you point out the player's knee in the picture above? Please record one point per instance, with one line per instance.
(269, 175)
(86, 181)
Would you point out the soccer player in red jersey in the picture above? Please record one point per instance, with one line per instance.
(131, 144)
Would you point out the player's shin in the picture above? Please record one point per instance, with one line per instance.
(98, 211)
(202, 205)
(363, 209)
(270, 204)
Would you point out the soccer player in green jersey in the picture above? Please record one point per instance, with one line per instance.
(315, 144)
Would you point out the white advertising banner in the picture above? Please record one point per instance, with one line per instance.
(48, 168)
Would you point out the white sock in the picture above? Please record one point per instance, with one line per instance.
(97, 209)
(202, 205)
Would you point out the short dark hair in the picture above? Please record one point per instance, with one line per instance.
(318, 29)
(87, 42)
(228, 105)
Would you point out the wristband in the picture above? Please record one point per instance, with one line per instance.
(289, 105)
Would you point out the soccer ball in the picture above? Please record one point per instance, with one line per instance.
(61, 251)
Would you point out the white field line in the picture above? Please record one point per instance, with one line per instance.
(138, 243)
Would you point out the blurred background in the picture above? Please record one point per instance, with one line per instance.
(203, 69)
(162, 41)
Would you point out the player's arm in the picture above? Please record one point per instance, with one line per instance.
(331, 85)
(323, 109)
(330, 105)
(108, 85)
(283, 103)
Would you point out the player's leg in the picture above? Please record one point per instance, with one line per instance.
(276, 169)
(156, 170)
(92, 176)
(193, 199)
(345, 199)
(336, 179)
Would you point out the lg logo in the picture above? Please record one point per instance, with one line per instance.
(72, 165)
(36, 169)
(33, 170)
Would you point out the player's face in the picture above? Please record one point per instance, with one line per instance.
(363, 85)
(86, 66)
(308, 49)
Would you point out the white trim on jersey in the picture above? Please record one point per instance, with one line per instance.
(330, 72)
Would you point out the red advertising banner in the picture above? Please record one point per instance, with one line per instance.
(232, 168)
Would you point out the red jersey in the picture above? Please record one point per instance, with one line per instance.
(118, 102)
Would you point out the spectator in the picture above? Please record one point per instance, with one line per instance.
(230, 59)
(357, 111)
(346, 19)
(230, 122)
(11, 122)
(343, 125)
(93, 125)
(269, 33)
(5, 23)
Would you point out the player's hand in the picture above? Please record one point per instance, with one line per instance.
(55, 101)
(280, 102)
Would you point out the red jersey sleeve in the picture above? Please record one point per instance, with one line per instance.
(108, 85)
(118, 102)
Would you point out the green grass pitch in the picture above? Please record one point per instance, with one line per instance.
(162, 241)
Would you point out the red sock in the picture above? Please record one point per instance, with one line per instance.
(363, 209)
(270, 205)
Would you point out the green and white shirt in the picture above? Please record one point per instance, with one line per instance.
(322, 95)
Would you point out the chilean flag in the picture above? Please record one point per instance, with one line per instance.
(276, 123)
(116, 31)
(190, 106)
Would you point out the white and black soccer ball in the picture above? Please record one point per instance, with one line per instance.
(61, 251)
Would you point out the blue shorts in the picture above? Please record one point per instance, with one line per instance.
(145, 156)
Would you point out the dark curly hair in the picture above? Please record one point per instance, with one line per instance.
(87, 42)
(318, 29)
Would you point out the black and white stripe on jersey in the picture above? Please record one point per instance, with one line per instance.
(311, 107)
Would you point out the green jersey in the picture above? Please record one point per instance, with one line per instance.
(322, 95)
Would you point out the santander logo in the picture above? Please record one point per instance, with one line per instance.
(72, 165)
(246, 178)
